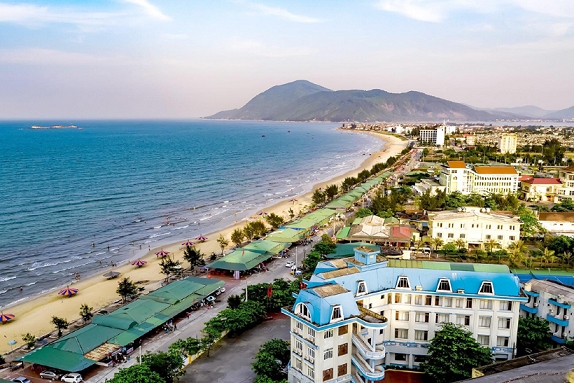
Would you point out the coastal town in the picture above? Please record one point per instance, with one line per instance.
(453, 231)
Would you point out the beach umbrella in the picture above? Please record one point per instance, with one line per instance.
(6, 317)
(187, 243)
(201, 238)
(139, 263)
(68, 292)
(161, 253)
(111, 274)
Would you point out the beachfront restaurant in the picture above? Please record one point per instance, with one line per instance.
(247, 257)
(111, 338)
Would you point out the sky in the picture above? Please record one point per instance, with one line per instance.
(187, 59)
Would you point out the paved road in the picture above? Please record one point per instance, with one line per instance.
(230, 361)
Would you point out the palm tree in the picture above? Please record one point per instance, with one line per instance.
(567, 258)
(222, 242)
(436, 243)
(490, 245)
(518, 250)
(460, 244)
(126, 288)
(547, 255)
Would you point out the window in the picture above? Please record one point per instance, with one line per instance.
(503, 322)
(422, 317)
(311, 353)
(500, 237)
(402, 315)
(408, 298)
(512, 237)
(420, 358)
(299, 346)
(462, 225)
(439, 224)
(484, 340)
(502, 341)
(451, 235)
(328, 354)
(328, 374)
(499, 227)
(444, 285)
(512, 228)
(381, 332)
(342, 370)
(390, 299)
(298, 364)
(421, 335)
(343, 349)
(489, 227)
(299, 325)
(458, 303)
(468, 303)
(505, 305)
(438, 301)
(337, 313)
(448, 302)
(328, 334)
(488, 236)
(451, 225)
(310, 372)
(397, 298)
(303, 310)
(462, 236)
(486, 288)
(418, 300)
(428, 300)
(403, 283)
(401, 333)
(463, 320)
(400, 357)
(441, 318)
(439, 235)
(343, 330)
(383, 297)
(484, 321)
(485, 304)
(362, 288)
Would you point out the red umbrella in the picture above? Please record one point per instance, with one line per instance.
(162, 253)
(139, 263)
(187, 243)
(6, 317)
(68, 292)
(201, 238)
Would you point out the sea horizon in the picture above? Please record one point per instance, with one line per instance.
(115, 183)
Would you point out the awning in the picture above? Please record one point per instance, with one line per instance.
(62, 360)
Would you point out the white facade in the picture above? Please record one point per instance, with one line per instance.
(567, 189)
(558, 223)
(553, 302)
(507, 143)
(432, 136)
(456, 176)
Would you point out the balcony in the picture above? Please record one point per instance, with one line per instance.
(371, 319)
(531, 293)
(557, 339)
(558, 321)
(357, 378)
(377, 374)
(366, 350)
(556, 303)
(309, 359)
(531, 310)
(299, 375)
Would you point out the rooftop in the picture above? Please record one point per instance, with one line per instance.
(541, 181)
(557, 217)
(329, 290)
(470, 213)
(456, 164)
(495, 170)
(553, 288)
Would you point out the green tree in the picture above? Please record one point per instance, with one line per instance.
(249, 231)
(363, 175)
(453, 353)
(291, 213)
(348, 183)
(210, 336)
(169, 266)
(449, 248)
(363, 212)
(168, 365)
(126, 288)
(29, 339)
(258, 228)
(86, 312)
(460, 244)
(517, 251)
(533, 335)
(237, 237)
(272, 359)
(331, 191)
(274, 220)
(530, 225)
(138, 373)
(193, 256)
(318, 197)
(233, 301)
(436, 243)
(185, 347)
(223, 242)
(310, 262)
(325, 245)
(60, 323)
(490, 245)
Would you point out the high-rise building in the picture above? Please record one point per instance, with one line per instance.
(432, 136)
(507, 143)
(361, 314)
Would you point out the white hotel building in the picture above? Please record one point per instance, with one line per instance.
(361, 314)
(457, 176)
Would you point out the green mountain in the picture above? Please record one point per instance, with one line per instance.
(304, 101)
(564, 114)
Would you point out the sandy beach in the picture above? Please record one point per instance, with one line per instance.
(34, 315)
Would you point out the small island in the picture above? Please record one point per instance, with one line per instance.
(54, 127)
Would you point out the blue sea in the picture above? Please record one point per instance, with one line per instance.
(70, 198)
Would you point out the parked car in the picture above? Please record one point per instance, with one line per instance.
(220, 291)
(210, 299)
(21, 379)
(47, 374)
(290, 264)
(72, 378)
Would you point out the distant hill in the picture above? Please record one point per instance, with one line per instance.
(304, 101)
(564, 114)
(527, 111)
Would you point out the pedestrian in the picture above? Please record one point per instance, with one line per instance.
(100, 262)
(108, 247)
(21, 288)
(175, 326)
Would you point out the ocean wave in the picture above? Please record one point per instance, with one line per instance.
(6, 279)
(37, 265)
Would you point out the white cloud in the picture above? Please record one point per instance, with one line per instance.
(32, 15)
(280, 12)
(150, 9)
(257, 48)
(557, 8)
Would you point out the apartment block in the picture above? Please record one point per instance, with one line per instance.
(457, 176)
(551, 301)
(566, 175)
(507, 143)
(360, 315)
(432, 136)
(475, 226)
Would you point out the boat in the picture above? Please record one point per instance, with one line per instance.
(263, 135)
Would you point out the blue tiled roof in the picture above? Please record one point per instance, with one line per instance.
(321, 307)
(384, 278)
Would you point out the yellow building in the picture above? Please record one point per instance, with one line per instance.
(507, 143)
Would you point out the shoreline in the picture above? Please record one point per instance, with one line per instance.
(97, 292)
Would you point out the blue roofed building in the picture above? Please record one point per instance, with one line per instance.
(361, 314)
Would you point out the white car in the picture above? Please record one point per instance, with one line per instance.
(72, 378)
(290, 264)
(47, 374)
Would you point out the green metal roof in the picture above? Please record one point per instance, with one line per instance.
(357, 221)
(431, 265)
(344, 232)
(286, 235)
(345, 250)
(85, 339)
(340, 203)
(266, 246)
(58, 359)
(240, 260)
